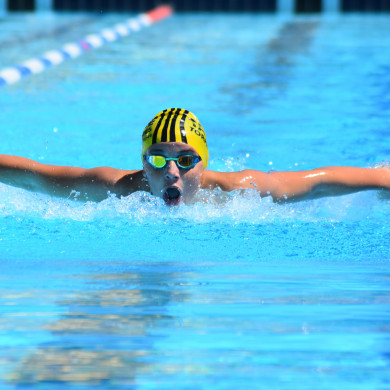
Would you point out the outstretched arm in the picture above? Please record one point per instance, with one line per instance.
(86, 184)
(299, 185)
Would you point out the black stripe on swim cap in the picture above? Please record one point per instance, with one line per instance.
(164, 132)
(172, 133)
(182, 128)
(154, 140)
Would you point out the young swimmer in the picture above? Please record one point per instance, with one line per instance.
(175, 156)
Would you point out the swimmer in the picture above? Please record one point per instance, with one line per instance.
(174, 158)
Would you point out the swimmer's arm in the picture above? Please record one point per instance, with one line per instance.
(299, 185)
(68, 182)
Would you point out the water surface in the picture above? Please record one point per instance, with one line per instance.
(128, 293)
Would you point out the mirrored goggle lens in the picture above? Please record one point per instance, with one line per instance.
(186, 162)
(157, 161)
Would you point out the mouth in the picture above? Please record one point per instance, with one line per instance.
(172, 196)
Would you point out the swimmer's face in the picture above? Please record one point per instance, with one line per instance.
(172, 183)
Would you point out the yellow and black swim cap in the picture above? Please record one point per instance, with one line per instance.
(176, 125)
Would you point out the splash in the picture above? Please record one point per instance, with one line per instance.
(210, 206)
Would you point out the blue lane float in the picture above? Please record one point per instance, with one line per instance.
(72, 50)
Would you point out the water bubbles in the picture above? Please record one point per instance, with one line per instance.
(236, 207)
(74, 194)
(381, 164)
(231, 164)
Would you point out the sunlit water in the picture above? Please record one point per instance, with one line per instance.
(233, 291)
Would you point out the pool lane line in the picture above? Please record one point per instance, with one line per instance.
(51, 58)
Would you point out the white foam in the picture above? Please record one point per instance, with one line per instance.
(210, 207)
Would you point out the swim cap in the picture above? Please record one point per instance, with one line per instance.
(176, 125)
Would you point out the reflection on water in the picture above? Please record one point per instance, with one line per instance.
(176, 323)
(106, 333)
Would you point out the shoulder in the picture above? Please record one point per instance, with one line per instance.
(229, 181)
(108, 174)
(131, 181)
(121, 181)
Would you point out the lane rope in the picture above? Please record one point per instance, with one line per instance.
(51, 58)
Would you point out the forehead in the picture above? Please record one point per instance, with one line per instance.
(171, 148)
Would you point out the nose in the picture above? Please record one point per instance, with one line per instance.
(172, 171)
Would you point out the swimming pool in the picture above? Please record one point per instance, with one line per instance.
(230, 293)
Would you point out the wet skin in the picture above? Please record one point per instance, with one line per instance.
(172, 183)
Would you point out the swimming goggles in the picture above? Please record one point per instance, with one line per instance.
(187, 161)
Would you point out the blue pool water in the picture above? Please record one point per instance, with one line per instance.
(230, 293)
